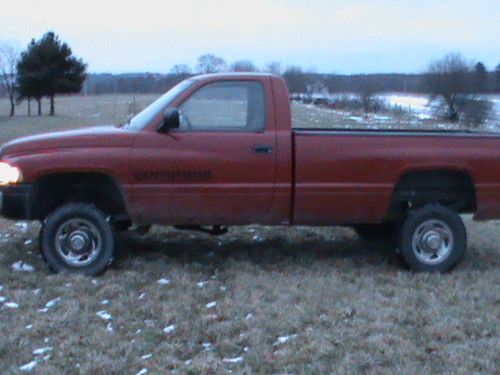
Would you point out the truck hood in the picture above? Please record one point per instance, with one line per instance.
(99, 136)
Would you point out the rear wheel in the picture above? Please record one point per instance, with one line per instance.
(433, 239)
(77, 238)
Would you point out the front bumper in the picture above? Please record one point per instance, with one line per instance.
(14, 201)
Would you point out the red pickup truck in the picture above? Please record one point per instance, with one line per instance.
(219, 150)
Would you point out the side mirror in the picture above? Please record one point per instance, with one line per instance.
(171, 120)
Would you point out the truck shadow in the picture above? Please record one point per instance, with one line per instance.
(274, 249)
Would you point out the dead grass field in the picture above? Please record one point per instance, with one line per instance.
(270, 300)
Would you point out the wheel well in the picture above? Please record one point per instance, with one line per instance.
(52, 191)
(453, 189)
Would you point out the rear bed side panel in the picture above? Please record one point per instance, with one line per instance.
(349, 177)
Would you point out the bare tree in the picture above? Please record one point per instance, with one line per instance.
(274, 68)
(243, 66)
(180, 69)
(210, 63)
(9, 56)
(449, 80)
(367, 90)
(455, 83)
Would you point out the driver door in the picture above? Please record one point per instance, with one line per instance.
(219, 166)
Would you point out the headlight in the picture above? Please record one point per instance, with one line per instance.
(9, 175)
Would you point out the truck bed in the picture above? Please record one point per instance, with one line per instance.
(344, 176)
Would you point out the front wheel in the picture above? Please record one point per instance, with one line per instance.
(433, 239)
(77, 238)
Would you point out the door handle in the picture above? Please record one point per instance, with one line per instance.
(263, 149)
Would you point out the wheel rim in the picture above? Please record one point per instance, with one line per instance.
(432, 241)
(78, 242)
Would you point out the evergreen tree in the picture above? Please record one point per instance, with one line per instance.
(497, 79)
(296, 79)
(29, 80)
(47, 68)
(480, 78)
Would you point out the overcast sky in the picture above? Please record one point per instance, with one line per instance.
(350, 36)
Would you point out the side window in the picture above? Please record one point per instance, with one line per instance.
(230, 106)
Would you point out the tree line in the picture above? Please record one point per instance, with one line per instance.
(298, 80)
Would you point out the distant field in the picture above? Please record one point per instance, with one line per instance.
(71, 112)
(266, 300)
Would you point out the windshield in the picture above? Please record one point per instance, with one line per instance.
(139, 121)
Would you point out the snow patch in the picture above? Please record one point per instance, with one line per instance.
(22, 225)
(382, 118)
(20, 266)
(43, 351)
(104, 315)
(211, 305)
(169, 329)
(424, 116)
(53, 302)
(143, 371)
(258, 238)
(29, 366)
(10, 305)
(147, 356)
(358, 119)
(233, 360)
(164, 281)
(285, 339)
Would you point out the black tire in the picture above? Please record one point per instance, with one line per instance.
(426, 221)
(102, 233)
(374, 232)
(40, 241)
